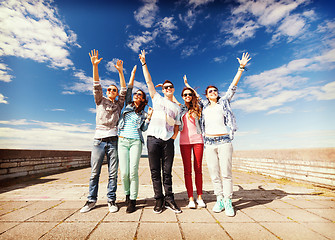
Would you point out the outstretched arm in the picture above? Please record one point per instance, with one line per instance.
(243, 62)
(147, 76)
(94, 55)
(119, 67)
(132, 76)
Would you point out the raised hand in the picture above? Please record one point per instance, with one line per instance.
(185, 80)
(119, 65)
(94, 55)
(142, 57)
(245, 59)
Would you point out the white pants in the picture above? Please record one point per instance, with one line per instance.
(219, 162)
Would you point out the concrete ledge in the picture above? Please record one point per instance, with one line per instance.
(22, 163)
(315, 166)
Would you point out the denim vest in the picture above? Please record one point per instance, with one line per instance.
(229, 117)
(142, 125)
(184, 111)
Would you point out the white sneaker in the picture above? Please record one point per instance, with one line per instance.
(191, 205)
(201, 203)
(112, 207)
(88, 206)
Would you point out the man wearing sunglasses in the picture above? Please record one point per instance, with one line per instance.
(162, 131)
(108, 110)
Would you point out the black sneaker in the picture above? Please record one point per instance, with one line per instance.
(171, 204)
(159, 205)
(131, 206)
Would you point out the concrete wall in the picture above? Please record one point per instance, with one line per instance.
(19, 163)
(316, 166)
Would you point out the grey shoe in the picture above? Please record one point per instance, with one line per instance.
(112, 207)
(88, 206)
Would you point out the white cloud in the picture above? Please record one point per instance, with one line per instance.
(197, 3)
(278, 86)
(283, 110)
(31, 134)
(31, 29)
(189, 50)
(92, 110)
(135, 43)
(3, 99)
(146, 15)
(189, 18)
(58, 110)
(275, 16)
(4, 75)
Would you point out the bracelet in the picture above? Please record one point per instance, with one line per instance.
(242, 68)
(143, 64)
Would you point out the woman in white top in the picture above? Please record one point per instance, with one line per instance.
(218, 127)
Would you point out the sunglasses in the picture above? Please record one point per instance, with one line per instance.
(168, 86)
(187, 94)
(138, 94)
(111, 89)
(212, 90)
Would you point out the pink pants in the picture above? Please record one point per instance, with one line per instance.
(186, 152)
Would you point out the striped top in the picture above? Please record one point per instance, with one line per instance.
(129, 129)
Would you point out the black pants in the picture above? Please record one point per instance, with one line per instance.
(161, 154)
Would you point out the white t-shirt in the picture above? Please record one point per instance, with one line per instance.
(165, 116)
(214, 120)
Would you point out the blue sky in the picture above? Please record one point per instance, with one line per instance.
(284, 100)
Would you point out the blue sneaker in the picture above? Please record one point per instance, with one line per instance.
(219, 206)
(228, 206)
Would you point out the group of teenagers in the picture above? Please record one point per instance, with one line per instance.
(206, 125)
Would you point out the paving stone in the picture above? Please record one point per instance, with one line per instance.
(265, 215)
(115, 230)
(52, 215)
(240, 217)
(166, 216)
(247, 231)
(301, 215)
(158, 231)
(28, 230)
(203, 231)
(292, 231)
(95, 215)
(67, 230)
(195, 215)
(4, 226)
(304, 203)
(326, 229)
(328, 213)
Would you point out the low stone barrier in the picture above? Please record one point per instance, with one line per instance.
(315, 166)
(21, 163)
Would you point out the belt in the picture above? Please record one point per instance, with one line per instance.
(109, 139)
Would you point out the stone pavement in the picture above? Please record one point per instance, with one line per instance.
(266, 208)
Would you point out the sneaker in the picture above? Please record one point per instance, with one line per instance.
(112, 207)
(201, 203)
(219, 206)
(131, 206)
(88, 206)
(171, 204)
(159, 205)
(191, 205)
(229, 209)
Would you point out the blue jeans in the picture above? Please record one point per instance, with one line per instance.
(100, 149)
(129, 151)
